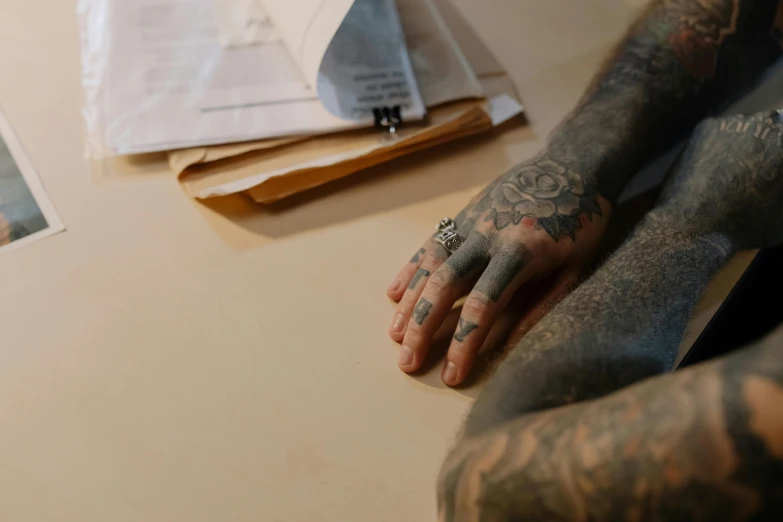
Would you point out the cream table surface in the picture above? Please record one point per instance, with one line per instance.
(165, 360)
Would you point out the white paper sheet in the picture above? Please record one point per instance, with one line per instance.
(442, 70)
(307, 27)
(157, 76)
(366, 65)
(169, 83)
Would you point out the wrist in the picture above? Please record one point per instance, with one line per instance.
(604, 156)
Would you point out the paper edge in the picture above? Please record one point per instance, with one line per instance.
(249, 182)
(33, 181)
(502, 108)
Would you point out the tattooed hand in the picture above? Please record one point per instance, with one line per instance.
(730, 180)
(543, 217)
(678, 62)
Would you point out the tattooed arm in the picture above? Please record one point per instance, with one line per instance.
(546, 216)
(626, 322)
(679, 61)
(702, 444)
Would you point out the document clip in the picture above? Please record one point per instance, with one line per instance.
(388, 118)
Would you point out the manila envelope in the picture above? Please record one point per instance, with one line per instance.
(272, 169)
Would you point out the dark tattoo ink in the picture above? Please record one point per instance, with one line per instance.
(551, 193)
(464, 265)
(658, 450)
(745, 156)
(471, 256)
(759, 469)
(630, 456)
(465, 327)
(420, 273)
(652, 92)
(504, 267)
(421, 311)
(719, 197)
(417, 256)
(683, 58)
(696, 445)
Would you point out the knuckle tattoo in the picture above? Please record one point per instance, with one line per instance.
(422, 310)
(420, 274)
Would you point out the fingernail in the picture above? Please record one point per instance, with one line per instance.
(449, 374)
(394, 286)
(405, 358)
(398, 322)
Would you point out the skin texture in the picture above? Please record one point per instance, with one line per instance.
(688, 446)
(464, 329)
(546, 217)
(551, 438)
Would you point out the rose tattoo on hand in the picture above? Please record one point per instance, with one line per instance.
(548, 191)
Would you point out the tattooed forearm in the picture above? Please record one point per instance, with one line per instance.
(465, 327)
(745, 156)
(703, 444)
(622, 325)
(420, 273)
(681, 60)
(677, 63)
(421, 311)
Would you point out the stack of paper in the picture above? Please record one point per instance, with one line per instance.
(300, 78)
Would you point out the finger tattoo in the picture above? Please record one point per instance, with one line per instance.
(418, 275)
(505, 266)
(417, 256)
(421, 311)
(472, 255)
(465, 327)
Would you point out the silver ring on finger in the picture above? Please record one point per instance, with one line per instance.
(446, 224)
(450, 240)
